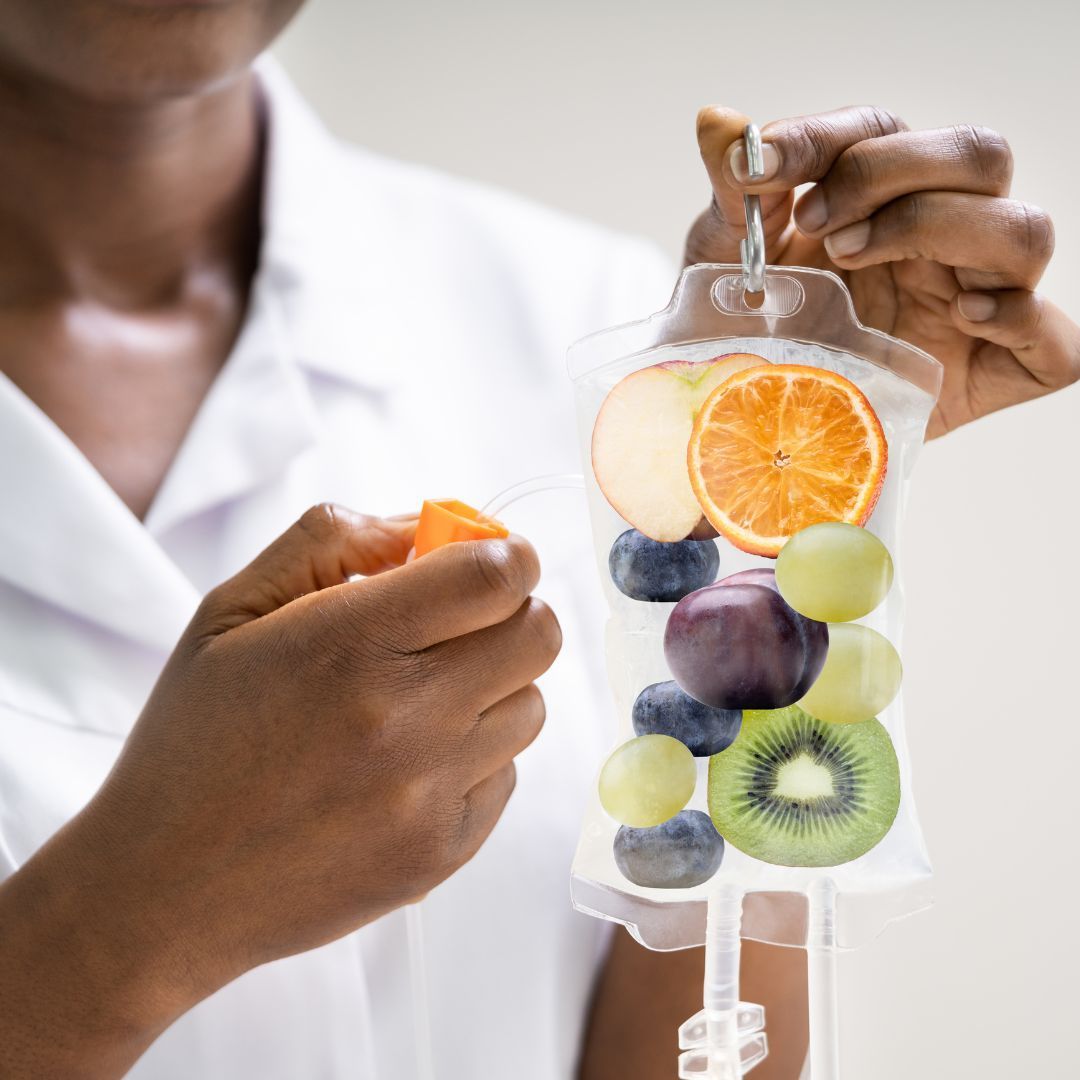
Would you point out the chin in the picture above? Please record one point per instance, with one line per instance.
(138, 51)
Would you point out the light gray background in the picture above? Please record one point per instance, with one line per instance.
(590, 106)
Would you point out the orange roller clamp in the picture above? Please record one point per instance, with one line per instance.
(448, 521)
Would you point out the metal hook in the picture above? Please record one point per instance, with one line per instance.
(752, 249)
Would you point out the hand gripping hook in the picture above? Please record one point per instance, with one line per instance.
(752, 249)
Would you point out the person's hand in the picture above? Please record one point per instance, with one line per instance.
(920, 226)
(317, 752)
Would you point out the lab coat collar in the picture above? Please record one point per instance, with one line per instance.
(256, 419)
(67, 537)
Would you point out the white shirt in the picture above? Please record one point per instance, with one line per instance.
(405, 339)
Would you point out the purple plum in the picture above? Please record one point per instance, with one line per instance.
(739, 646)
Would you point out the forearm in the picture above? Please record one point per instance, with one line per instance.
(87, 981)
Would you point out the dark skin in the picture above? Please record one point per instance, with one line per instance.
(129, 202)
(128, 217)
(296, 705)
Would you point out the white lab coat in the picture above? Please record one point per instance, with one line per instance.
(405, 339)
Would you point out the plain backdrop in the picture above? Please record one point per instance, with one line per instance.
(589, 106)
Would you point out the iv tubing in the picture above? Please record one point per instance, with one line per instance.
(822, 981)
(414, 929)
(537, 484)
(722, 951)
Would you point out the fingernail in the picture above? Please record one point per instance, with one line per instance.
(770, 161)
(849, 240)
(976, 306)
(812, 213)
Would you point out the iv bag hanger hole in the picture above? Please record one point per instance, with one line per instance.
(781, 296)
(754, 292)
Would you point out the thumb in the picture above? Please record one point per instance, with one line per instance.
(715, 235)
(326, 546)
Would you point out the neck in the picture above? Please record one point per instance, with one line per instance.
(123, 204)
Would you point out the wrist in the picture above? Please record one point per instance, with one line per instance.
(90, 971)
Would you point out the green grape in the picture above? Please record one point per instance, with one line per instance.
(647, 780)
(861, 676)
(834, 572)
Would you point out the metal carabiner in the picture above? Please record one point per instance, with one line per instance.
(752, 249)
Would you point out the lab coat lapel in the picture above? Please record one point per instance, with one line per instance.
(67, 537)
(257, 418)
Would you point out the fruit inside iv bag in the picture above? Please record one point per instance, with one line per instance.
(778, 447)
(834, 572)
(684, 851)
(860, 678)
(665, 708)
(740, 646)
(639, 442)
(771, 678)
(647, 780)
(799, 791)
(647, 569)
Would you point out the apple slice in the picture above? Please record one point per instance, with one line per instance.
(640, 438)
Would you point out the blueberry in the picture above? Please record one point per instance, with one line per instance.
(647, 569)
(666, 709)
(683, 852)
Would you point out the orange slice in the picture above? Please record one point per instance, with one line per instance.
(448, 521)
(775, 449)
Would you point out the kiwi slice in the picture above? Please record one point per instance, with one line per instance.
(798, 791)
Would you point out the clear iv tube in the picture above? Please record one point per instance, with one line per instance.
(722, 952)
(538, 484)
(414, 929)
(414, 913)
(822, 981)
